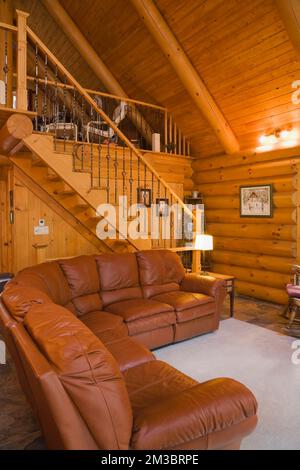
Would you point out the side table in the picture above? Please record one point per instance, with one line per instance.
(229, 286)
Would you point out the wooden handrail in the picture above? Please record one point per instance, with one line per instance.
(106, 118)
(98, 93)
(8, 27)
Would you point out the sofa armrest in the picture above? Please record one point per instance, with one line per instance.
(207, 285)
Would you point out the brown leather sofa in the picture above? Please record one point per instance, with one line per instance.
(78, 330)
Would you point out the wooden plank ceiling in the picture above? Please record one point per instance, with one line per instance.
(240, 49)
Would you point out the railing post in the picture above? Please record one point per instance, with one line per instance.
(22, 60)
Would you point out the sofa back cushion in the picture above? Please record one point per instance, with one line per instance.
(18, 299)
(83, 280)
(88, 372)
(119, 277)
(49, 278)
(160, 271)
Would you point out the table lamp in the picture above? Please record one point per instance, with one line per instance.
(203, 242)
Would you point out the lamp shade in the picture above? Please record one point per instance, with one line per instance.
(203, 242)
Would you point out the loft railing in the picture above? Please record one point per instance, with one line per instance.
(99, 146)
(37, 86)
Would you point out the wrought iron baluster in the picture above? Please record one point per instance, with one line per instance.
(99, 165)
(56, 104)
(45, 94)
(152, 187)
(131, 179)
(64, 111)
(82, 133)
(123, 170)
(73, 115)
(36, 87)
(5, 68)
(116, 164)
(108, 173)
(92, 164)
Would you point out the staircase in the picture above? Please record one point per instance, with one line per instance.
(79, 174)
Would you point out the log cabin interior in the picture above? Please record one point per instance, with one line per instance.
(149, 224)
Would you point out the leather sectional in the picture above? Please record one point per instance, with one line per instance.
(79, 331)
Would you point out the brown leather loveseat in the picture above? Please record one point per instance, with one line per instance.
(78, 330)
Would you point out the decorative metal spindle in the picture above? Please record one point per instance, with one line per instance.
(138, 172)
(73, 115)
(116, 164)
(172, 221)
(158, 189)
(123, 170)
(36, 86)
(92, 164)
(82, 133)
(45, 94)
(56, 104)
(5, 68)
(131, 179)
(64, 111)
(108, 172)
(145, 176)
(99, 165)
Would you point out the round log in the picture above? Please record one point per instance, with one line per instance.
(287, 199)
(16, 128)
(267, 232)
(259, 170)
(249, 245)
(243, 158)
(281, 216)
(278, 296)
(269, 263)
(280, 184)
(257, 276)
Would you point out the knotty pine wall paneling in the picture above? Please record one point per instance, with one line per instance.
(258, 251)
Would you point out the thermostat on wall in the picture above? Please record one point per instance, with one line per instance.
(41, 230)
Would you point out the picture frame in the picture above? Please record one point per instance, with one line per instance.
(144, 196)
(162, 205)
(256, 201)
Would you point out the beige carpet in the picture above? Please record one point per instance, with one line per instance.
(257, 357)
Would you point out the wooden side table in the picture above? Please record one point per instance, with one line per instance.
(229, 286)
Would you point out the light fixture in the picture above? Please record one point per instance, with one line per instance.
(203, 242)
(286, 137)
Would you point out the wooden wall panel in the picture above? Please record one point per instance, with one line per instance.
(258, 251)
(63, 240)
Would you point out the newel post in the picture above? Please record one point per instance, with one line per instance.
(22, 60)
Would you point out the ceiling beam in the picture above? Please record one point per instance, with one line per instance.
(96, 64)
(290, 15)
(186, 72)
(80, 42)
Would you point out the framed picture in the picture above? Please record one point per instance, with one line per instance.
(144, 196)
(256, 201)
(162, 207)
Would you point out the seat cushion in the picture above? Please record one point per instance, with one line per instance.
(135, 309)
(106, 326)
(129, 353)
(188, 305)
(171, 409)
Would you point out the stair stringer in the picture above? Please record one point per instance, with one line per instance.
(42, 145)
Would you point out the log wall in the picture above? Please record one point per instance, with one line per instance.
(258, 251)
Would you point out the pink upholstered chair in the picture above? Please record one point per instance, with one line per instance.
(293, 291)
